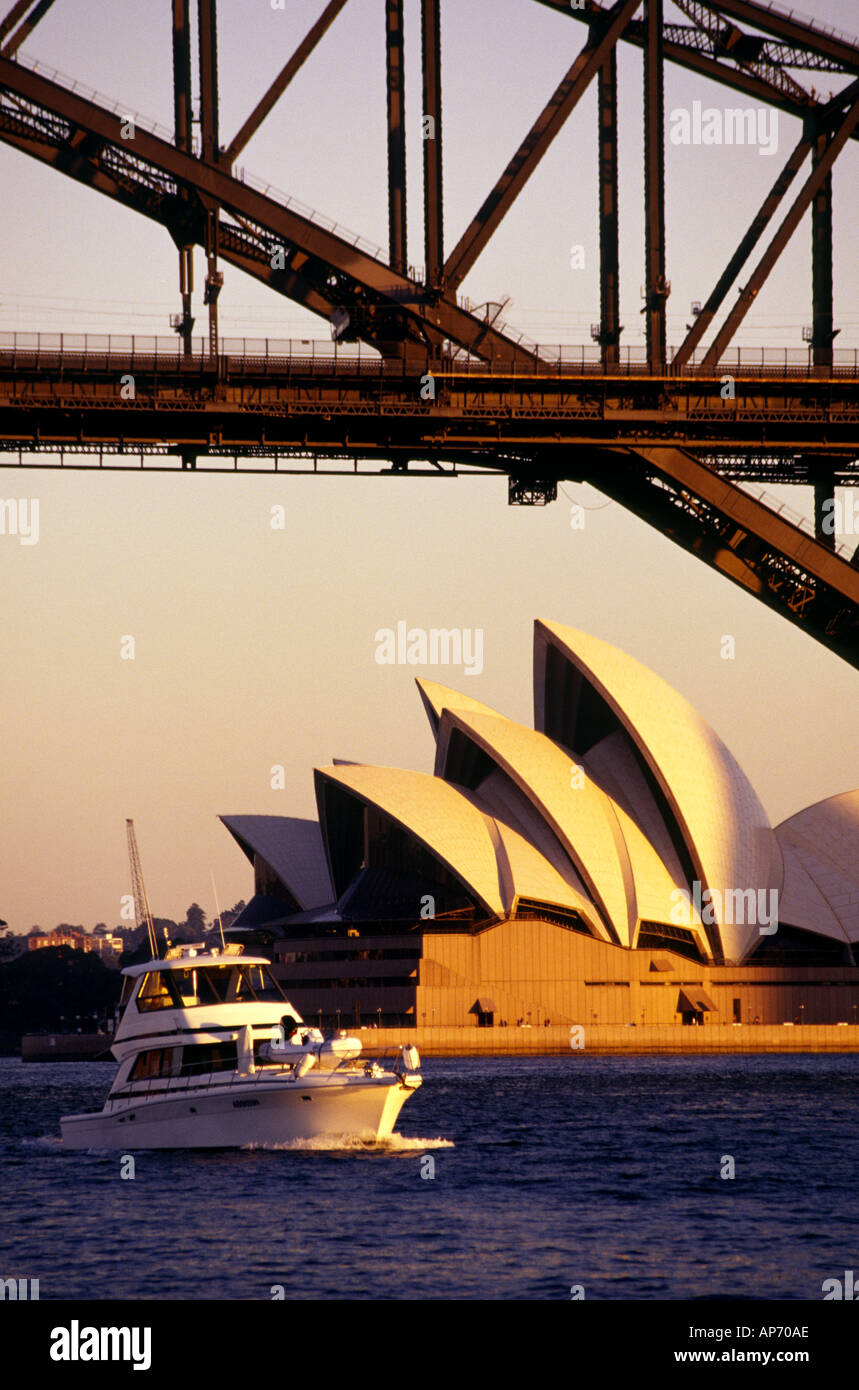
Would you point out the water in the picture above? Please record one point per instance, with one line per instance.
(549, 1172)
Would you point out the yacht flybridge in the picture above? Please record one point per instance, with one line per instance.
(212, 1055)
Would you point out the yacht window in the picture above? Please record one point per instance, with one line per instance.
(212, 984)
(264, 985)
(157, 1062)
(156, 992)
(207, 985)
(186, 983)
(207, 1057)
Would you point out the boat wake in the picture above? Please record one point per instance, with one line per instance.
(45, 1143)
(351, 1143)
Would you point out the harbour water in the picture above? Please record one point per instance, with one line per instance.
(511, 1178)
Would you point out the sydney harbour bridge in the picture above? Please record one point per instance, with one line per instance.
(417, 379)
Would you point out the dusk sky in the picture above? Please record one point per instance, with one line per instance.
(256, 647)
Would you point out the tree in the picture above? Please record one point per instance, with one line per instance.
(195, 922)
(52, 988)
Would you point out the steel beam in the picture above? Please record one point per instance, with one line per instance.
(433, 189)
(536, 142)
(283, 79)
(208, 43)
(743, 251)
(656, 288)
(18, 10)
(689, 54)
(824, 493)
(182, 75)
(610, 328)
(740, 537)
(822, 332)
(26, 29)
(792, 30)
(808, 192)
(182, 136)
(211, 154)
(397, 244)
(150, 183)
(839, 49)
(748, 50)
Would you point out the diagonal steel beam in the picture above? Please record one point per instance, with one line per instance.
(536, 143)
(27, 27)
(739, 536)
(813, 184)
(687, 52)
(283, 79)
(743, 251)
(18, 10)
(793, 30)
(840, 48)
(375, 286)
(747, 50)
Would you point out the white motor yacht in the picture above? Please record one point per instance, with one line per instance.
(212, 1055)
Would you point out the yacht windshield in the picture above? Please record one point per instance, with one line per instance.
(209, 984)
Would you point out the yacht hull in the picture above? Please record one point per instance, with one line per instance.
(239, 1115)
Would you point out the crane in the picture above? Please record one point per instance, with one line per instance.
(141, 902)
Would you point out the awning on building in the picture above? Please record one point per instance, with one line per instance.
(661, 962)
(482, 1005)
(693, 1000)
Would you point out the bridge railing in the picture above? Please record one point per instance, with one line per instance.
(280, 353)
(788, 12)
(803, 523)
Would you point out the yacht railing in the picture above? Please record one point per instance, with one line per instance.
(225, 1080)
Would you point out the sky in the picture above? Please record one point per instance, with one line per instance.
(255, 647)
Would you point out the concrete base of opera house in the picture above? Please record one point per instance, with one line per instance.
(607, 1038)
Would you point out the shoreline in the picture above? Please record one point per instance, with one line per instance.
(611, 1038)
(606, 1039)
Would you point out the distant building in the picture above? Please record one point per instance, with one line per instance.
(62, 936)
(611, 865)
(108, 946)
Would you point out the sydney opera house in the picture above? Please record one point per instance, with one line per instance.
(613, 864)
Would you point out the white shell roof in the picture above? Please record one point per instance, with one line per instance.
(583, 818)
(437, 698)
(824, 839)
(726, 829)
(613, 766)
(525, 873)
(292, 848)
(448, 824)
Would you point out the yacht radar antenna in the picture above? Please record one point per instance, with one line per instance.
(218, 909)
(141, 901)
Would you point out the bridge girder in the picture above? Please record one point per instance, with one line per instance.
(199, 200)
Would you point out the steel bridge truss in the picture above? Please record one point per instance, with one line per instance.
(659, 446)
